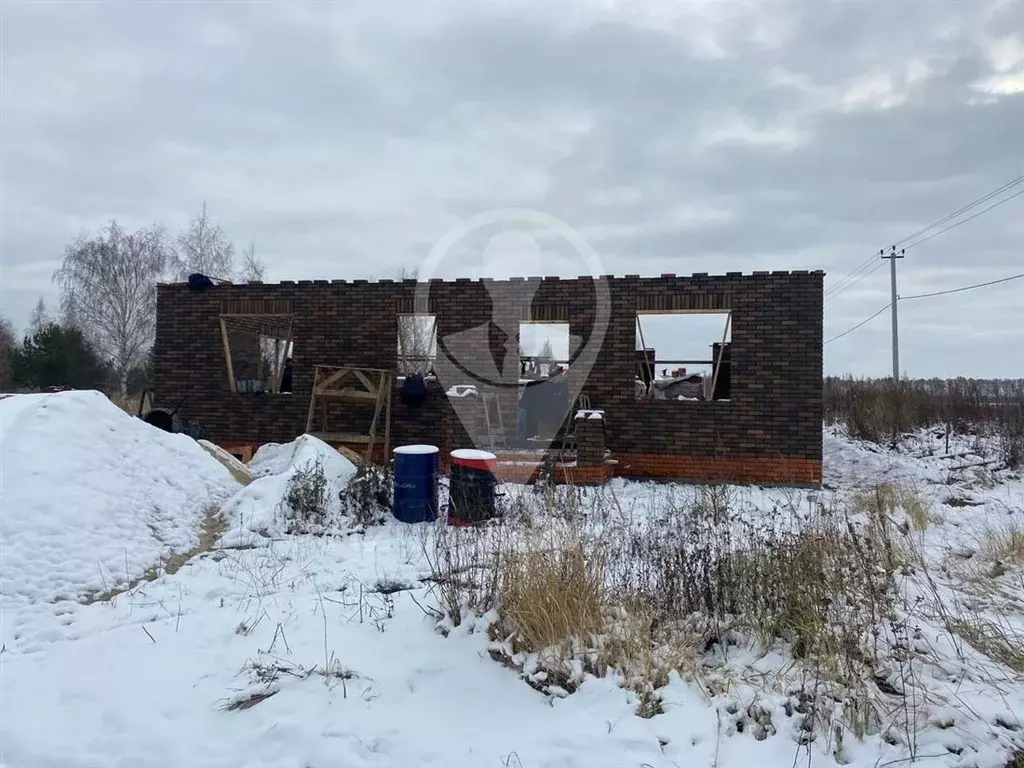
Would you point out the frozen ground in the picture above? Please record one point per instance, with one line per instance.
(334, 631)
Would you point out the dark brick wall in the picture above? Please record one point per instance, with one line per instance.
(775, 412)
(589, 442)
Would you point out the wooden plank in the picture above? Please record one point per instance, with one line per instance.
(227, 356)
(718, 362)
(373, 424)
(387, 387)
(333, 378)
(275, 372)
(312, 401)
(323, 404)
(342, 437)
(348, 394)
(370, 387)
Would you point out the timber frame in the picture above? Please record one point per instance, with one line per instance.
(352, 384)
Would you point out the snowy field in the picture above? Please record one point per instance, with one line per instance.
(332, 649)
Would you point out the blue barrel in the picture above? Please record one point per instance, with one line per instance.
(416, 473)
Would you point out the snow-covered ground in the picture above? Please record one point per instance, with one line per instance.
(322, 651)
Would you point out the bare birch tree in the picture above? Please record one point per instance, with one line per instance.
(417, 338)
(253, 269)
(108, 285)
(38, 318)
(205, 249)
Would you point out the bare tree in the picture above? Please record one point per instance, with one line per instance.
(8, 344)
(253, 268)
(204, 248)
(38, 318)
(417, 338)
(108, 285)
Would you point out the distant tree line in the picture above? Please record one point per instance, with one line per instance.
(107, 283)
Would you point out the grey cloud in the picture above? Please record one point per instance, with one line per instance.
(346, 140)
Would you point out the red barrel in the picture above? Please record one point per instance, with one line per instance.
(471, 488)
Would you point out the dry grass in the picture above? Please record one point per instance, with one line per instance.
(880, 411)
(248, 701)
(549, 596)
(996, 640)
(888, 499)
(1004, 544)
(129, 405)
(584, 587)
(648, 595)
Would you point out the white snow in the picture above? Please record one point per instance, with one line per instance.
(256, 513)
(417, 449)
(145, 679)
(90, 498)
(472, 454)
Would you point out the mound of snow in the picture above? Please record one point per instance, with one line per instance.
(91, 497)
(259, 508)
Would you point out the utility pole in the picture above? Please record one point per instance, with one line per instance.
(895, 300)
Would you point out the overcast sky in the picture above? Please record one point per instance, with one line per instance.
(345, 140)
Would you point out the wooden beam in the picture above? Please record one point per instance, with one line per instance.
(281, 361)
(370, 387)
(227, 356)
(312, 401)
(333, 378)
(718, 362)
(373, 424)
(348, 393)
(342, 437)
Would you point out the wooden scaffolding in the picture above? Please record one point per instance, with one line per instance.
(353, 384)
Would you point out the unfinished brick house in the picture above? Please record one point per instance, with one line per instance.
(758, 417)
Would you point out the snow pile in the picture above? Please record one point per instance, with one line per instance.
(258, 511)
(92, 498)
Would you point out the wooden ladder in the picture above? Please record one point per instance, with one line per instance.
(353, 384)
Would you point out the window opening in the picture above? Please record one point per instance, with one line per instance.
(683, 356)
(417, 344)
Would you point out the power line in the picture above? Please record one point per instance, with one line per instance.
(837, 288)
(964, 221)
(858, 325)
(963, 210)
(867, 262)
(874, 268)
(845, 283)
(924, 296)
(964, 288)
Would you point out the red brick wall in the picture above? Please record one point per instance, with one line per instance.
(775, 412)
(767, 470)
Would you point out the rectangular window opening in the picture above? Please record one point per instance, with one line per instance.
(258, 353)
(417, 344)
(683, 356)
(543, 349)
